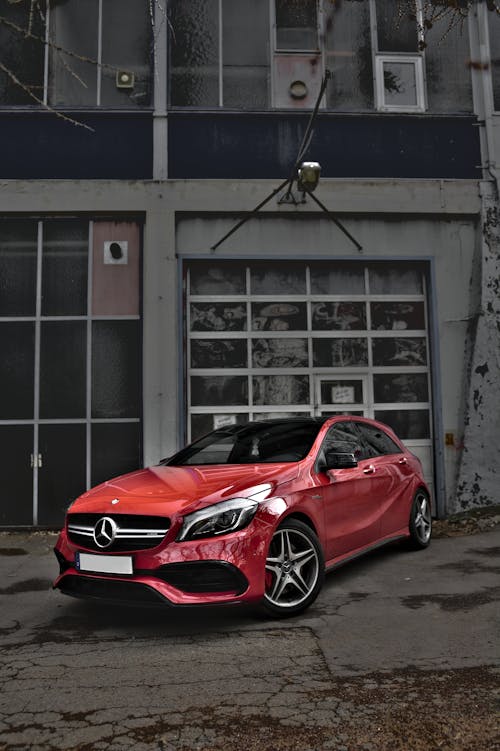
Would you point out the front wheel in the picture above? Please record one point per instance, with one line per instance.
(295, 569)
(420, 525)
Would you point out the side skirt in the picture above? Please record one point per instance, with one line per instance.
(335, 563)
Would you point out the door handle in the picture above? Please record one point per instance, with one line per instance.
(403, 460)
(369, 470)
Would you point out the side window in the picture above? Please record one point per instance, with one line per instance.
(377, 441)
(344, 438)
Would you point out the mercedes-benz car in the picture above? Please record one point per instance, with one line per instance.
(253, 513)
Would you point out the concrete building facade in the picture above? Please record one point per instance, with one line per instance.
(126, 333)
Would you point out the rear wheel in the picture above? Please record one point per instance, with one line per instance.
(294, 571)
(420, 525)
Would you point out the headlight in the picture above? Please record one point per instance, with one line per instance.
(220, 519)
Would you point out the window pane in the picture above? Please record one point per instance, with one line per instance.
(346, 316)
(337, 279)
(279, 353)
(397, 316)
(22, 54)
(219, 353)
(494, 28)
(18, 249)
(194, 53)
(339, 353)
(377, 441)
(218, 316)
(116, 449)
(400, 387)
(349, 55)
(296, 25)
(343, 438)
(407, 351)
(406, 423)
(63, 358)
(448, 77)
(400, 85)
(74, 27)
(342, 391)
(116, 369)
(281, 389)
(397, 31)
(389, 280)
(17, 367)
(280, 316)
(269, 279)
(219, 391)
(208, 278)
(127, 46)
(64, 268)
(245, 53)
(63, 478)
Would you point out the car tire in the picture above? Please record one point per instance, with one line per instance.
(294, 569)
(420, 524)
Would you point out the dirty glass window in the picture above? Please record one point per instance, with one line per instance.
(121, 33)
(64, 267)
(18, 259)
(494, 28)
(348, 55)
(22, 55)
(194, 53)
(397, 29)
(337, 279)
(340, 353)
(448, 76)
(126, 47)
(245, 53)
(281, 389)
(279, 316)
(73, 70)
(273, 279)
(296, 24)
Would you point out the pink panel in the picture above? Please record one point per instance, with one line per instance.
(115, 286)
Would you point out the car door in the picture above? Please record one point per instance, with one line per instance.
(393, 477)
(351, 508)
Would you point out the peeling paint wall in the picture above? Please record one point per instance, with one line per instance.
(479, 466)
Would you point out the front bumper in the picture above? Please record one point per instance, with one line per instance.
(227, 569)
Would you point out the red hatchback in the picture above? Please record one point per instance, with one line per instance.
(248, 513)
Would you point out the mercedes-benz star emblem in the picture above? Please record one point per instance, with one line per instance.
(105, 532)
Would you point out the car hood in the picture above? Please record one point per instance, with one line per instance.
(166, 490)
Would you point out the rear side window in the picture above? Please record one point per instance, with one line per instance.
(377, 441)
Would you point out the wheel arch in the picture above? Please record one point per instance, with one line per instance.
(301, 517)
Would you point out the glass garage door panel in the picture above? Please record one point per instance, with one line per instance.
(17, 367)
(62, 476)
(64, 268)
(16, 507)
(116, 449)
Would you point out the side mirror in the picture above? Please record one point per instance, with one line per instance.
(334, 460)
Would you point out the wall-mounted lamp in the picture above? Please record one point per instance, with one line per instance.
(308, 175)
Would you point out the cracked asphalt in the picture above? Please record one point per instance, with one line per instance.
(399, 652)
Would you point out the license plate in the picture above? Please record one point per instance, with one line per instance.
(104, 564)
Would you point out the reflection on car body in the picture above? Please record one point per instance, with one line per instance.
(248, 513)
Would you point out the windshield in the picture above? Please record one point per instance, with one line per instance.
(255, 443)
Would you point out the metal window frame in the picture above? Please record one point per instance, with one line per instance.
(38, 319)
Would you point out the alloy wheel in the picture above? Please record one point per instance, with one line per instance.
(422, 519)
(292, 568)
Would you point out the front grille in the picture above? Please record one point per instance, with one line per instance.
(201, 576)
(105, 589)
(134, 532)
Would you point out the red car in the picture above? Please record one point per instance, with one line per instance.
(248, 513)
